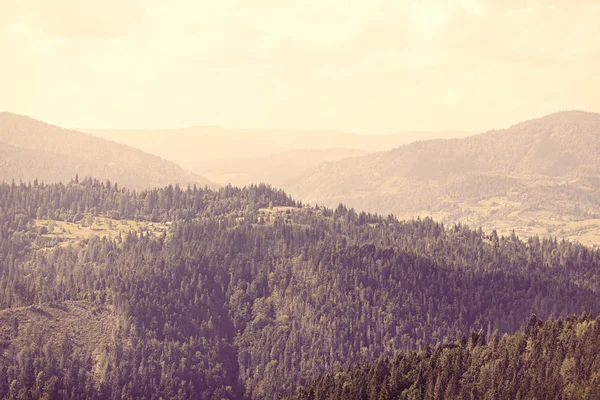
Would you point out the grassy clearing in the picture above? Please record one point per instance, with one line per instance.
(267, 216)
(503, 214)
(68, 232)
(277, 210)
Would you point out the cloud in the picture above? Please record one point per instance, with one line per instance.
(74, 19)
(380, 65)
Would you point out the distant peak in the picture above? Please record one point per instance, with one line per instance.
(563, 117)
(7, 114)
(572, 113)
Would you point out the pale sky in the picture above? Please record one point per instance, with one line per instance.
(367, 66)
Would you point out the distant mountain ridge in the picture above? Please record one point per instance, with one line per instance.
(33, 149)
(251, 156)
(539, 176)
(208, 143)
(277, 169)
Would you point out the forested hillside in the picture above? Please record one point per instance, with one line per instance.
(559, 359)
(246, 293)
(538, 177)
(31, 149)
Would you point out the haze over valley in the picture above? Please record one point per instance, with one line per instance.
(242, 157)
(536, 177)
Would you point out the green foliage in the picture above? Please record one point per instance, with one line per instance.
(225, 305)
(556, 360)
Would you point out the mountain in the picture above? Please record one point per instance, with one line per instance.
(32, 149)
(243, 157)
(277, 169)
(247, 294)
(200, 144)
(537, 177)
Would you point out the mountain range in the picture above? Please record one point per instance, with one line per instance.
(537, 177)
(277, 169)
(247, 293)
(245, 156)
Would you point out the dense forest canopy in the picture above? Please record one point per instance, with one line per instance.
(248, 293)
(559, 359)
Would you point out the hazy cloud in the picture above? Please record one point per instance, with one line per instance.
(378, 66)
(74, 19)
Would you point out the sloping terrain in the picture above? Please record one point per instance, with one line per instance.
(71, 330)
(31, 149)
(245, 293)
(558, 359)
(537, 177)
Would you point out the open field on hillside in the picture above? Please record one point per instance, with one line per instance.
(505, 214)
(69, 232)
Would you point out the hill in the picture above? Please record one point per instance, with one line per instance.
(246, 293)
(537, 177)
(31, 149)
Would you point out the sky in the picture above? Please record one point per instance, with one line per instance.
(377, 66)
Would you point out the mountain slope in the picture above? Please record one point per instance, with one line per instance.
(32, 149)
(553, 360)
(245, 294)
(538, 177)
(84, 327)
